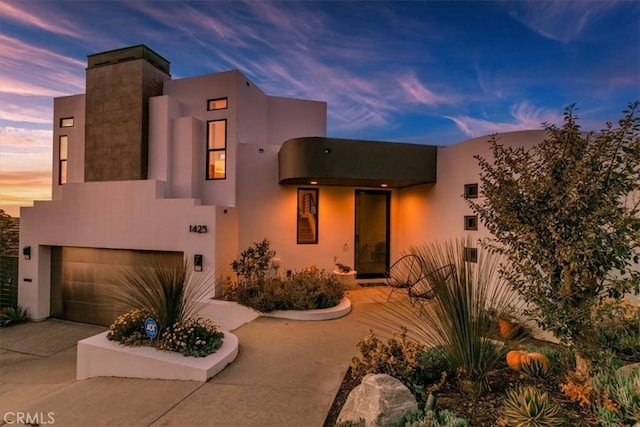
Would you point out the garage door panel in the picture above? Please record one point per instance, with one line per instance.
(83, 280)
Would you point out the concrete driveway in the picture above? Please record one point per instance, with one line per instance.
(286, 374)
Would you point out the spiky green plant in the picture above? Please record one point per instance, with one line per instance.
(13, 316)
(526, 406)
(535, 369)
(166, 288)
(460, 316)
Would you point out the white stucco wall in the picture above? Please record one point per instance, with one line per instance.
(435, 212)
(117, 215)
(64, 107)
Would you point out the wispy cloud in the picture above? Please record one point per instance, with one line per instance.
(418, 92)
(24, 138)
(559, 20)
(59, 25)
(525, 117)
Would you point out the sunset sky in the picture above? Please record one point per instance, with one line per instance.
(422, 72)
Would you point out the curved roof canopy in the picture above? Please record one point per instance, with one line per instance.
(355, 163)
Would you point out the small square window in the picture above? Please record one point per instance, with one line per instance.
(217, 104)
(66, 122)
(471, 222)
(471, 191)
(471, 254)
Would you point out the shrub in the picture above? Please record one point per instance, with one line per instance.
(13, 315)
(617, 324)
(195, 337)
(430, 418)
(398, 357)
(254, 262)
(303, 290)
(433, 362)
(526, 406)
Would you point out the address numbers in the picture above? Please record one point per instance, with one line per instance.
(198, 229)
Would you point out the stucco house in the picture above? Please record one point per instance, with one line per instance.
(202, 167)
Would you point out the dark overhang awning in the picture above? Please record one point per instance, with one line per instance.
(355, 163)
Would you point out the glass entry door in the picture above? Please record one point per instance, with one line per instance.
(372, 233)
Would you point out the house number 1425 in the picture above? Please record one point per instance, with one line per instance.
(198, 228)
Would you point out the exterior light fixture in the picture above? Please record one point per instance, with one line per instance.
(327, 150)
(26, 251)
(384, 185)
(197, 262)
(313, 182)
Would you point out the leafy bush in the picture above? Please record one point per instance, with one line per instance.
(254, 262)
(430, 418)
(617, 324)
(526, 406)
(433, 362)
(303, 290)
(617, 396)
(195, 337)
(13, 315)
(399, 358)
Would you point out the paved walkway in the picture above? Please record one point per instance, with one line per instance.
(287, 374)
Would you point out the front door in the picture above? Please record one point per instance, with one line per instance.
(372, 233)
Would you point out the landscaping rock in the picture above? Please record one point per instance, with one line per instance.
(380, 400)
(626, 369)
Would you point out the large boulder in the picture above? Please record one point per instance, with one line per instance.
(380, 400)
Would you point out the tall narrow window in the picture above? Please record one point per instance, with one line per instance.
(66, 122)
(63, 143)
(217, 104)
(217, 149)
(307, 216)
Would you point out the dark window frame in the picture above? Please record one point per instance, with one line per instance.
(209, 101)
(63, 161)
(212, 151)
(471, 254)
(314, 211)
(62, 121)
(471, 222)
(471, 191)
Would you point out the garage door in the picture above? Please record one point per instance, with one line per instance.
(81, 279)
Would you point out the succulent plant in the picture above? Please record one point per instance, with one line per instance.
(526, 406)
(535, 368)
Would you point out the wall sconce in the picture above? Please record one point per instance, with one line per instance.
(26, 251)
(197, 262)
(327, 151)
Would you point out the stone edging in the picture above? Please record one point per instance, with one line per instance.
(340, 310)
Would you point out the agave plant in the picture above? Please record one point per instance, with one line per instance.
(466, 297)
(167, 289)
(526, 406)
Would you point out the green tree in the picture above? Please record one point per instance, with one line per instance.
(9, 235)
(565, 214)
